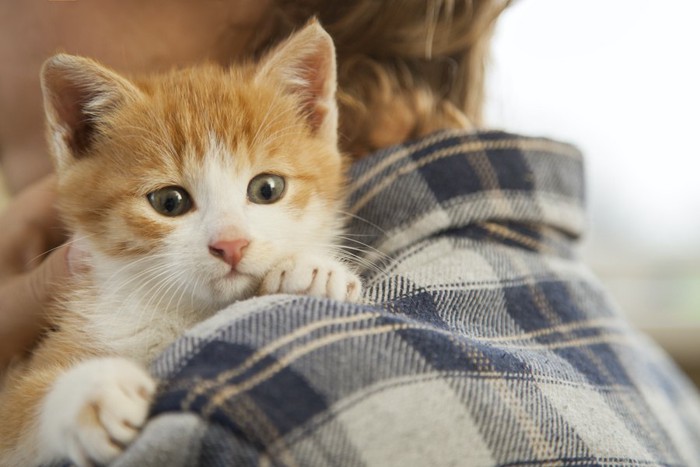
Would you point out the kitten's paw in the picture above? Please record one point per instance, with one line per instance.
(95, 410)
(321, 277)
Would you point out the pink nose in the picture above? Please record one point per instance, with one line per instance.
(230, 251)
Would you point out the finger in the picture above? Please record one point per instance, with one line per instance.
(50, 223)
(33, 227)
(23, 303)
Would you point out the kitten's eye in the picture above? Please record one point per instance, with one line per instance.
(170, 201)
(266, 189)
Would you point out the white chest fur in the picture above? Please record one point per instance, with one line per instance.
(132, 320)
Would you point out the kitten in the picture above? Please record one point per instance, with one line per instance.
(190, 190)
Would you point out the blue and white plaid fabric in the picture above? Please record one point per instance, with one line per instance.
(483, 340)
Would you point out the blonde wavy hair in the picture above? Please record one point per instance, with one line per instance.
(405, 67)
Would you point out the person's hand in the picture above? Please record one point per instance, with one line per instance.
(30, 272)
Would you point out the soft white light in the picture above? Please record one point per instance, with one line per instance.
(621, 80)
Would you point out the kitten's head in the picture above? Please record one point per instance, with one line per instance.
(197, 181)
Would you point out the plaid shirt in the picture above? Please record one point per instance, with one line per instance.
(483, 340)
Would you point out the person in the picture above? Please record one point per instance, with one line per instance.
(483, 339)
(26, 282)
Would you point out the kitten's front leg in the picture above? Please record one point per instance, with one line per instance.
(95, 410)
(313, 275)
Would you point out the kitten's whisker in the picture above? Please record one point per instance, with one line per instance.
(286, 131)
(131, 297)
(183, 289)
(156, 272)
(350, 235)
(281, 134)
(155, 293)
(346, 252)
(174, 280)
(362, 219)
(264, 125)
(194, 289)
(161, 280)
(57, 247)
(183, 286)
(368, 265)
(141, 273)
(370, 248)
(364, 252)
(130, 264)
(369, 254)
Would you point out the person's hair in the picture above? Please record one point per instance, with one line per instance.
(405, 67)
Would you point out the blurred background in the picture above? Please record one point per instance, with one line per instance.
(620, 80)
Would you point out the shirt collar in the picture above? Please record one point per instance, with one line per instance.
(454, 178)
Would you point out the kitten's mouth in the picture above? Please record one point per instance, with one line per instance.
(232, 273)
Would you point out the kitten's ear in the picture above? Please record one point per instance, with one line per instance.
(78, 94)
(305, 65)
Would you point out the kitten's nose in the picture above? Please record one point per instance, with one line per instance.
(231, 251)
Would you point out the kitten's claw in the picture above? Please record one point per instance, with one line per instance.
(320, 277)
(95, 410)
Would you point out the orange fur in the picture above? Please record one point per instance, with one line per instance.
(117, 140)
(228, 102)
(25, 384)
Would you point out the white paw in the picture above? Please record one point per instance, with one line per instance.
(94, 410)
(321, 277)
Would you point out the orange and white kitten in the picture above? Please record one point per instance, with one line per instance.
(190, 190)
